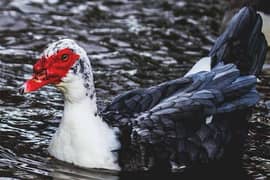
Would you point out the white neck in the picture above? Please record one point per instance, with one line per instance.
(83, 138)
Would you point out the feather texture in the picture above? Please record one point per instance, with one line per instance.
(169, 128)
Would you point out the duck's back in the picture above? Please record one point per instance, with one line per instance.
(197, 118)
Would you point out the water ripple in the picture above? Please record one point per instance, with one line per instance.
(130, 43)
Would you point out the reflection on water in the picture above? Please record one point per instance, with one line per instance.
(130, 43)
(65, 171)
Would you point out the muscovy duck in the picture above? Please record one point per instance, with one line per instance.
(194, 119)
(263, 7)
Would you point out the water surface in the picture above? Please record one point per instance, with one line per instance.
(131, 44)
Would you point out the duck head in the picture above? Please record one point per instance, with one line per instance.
(64, 64)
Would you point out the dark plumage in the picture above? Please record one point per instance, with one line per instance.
(242, 43)
(198, 118)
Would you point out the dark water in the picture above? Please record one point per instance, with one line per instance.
(131, 44)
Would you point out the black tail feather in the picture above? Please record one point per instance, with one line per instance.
(242, 43)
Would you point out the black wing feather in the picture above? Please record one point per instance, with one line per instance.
(242, 43)
(175, 130)
(193, 119)
(140, 100)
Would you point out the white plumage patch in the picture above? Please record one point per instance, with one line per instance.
(203, 64)
(266, 26)
(208, 119)
(83, 138)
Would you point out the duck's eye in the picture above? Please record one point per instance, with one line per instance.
(64, 57)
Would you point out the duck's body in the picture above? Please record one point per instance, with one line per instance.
(185, 125)
(194, 119)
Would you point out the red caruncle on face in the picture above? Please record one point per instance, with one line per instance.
(50, 70)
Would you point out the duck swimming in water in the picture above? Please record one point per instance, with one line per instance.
(194, 119)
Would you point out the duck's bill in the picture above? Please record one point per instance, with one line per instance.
(32, 84)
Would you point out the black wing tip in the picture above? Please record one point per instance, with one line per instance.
(242, 42)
